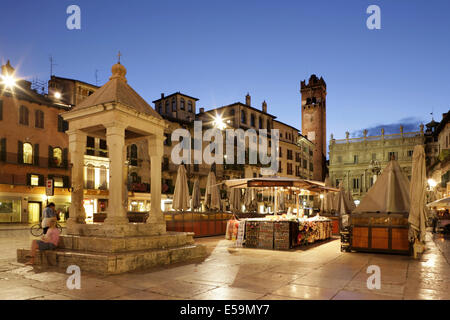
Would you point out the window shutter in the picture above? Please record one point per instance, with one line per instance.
(19, 152)
(3, 149)
(41, 180)
(66, 181)
(50, 156)
(60, 123)
(36, 154)
(28, 179)
(65, 158)
(1, 109)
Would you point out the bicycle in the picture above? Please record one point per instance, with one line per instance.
(37, 230)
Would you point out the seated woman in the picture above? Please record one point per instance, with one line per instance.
(49, 241)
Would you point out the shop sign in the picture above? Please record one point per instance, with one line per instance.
(49, 187)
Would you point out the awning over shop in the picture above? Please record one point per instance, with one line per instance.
(441, 203)
(271, 182)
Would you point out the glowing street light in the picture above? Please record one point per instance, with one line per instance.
(432, 183)
(57, 95)
(219, 122)
(8, 81)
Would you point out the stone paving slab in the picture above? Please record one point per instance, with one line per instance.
(229, 273)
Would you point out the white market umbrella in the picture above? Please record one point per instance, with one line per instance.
(389, 194)
(250, 199)
(235, 199)
(181, 192)
(417, 211)
(212, 196)
(195, 201)
(441, 203)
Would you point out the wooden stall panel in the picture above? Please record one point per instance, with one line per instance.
(400, 239)
(360, 238)
(380, 238)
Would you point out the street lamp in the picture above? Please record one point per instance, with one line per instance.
(9, 81)
(219, 123)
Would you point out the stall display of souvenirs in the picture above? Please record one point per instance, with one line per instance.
(280, 232)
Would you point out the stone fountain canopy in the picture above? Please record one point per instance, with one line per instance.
(116, 112)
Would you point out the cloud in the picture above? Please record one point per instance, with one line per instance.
(409, 124)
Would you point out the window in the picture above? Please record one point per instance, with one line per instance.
(57, 157)
(174, 105)
(280, 152)
(289, 168)
(190, 109)
(1, 109)
(356, 184)
(252, 120)
(58, 182)
(160, 108)
(39, 119)
(23, 115)
(90, 146)
(280, 167)
(243, 117)
(297, 157)
(305, 164)
(289, 154)
(103, 183)
(34, 180)
(260, 122)
(103, 148)
(392, 156)
(132, 153)
(168, 141)
(90, 177)
(63, 125)
(3, 149)
(167, 107)
(355, 159)
(182, 104)
(297, 171)
(27, 153)
(311, 168)
(410, 153)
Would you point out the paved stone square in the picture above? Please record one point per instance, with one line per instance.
(314, 272)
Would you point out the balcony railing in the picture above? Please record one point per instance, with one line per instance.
(39, 162)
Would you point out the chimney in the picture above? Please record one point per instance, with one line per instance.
(202, 110)
(162, 95)
(248, 100)
(264, 106)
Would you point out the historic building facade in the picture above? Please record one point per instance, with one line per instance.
(33, 148)
(354, 162)
(314, 121)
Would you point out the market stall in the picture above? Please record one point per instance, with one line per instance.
(292, 220)
(380, 222)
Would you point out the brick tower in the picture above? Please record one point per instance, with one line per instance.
(314, 123)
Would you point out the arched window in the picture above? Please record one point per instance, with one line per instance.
(39, 119)
(182, 104)
(174, 105)
(103, 183)
(90, 177)
(27, 153)
(252, 120)
(133, 155)
(190, 106)
(167, 106)
(243, 117)
(23, 115)
(57, 157)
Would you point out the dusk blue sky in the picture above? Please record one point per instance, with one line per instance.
(218, 51)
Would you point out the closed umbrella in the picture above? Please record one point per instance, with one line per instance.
(417, 211)
(212, 196)
(250, 200)
(181, 192)
(195, 202)
(235, 199)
